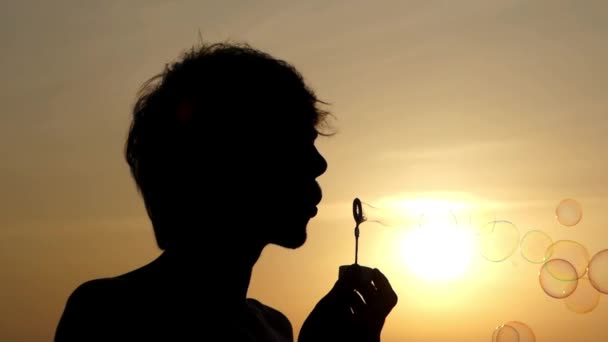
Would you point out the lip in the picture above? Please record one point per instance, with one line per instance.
(318, 194)
(313, 211)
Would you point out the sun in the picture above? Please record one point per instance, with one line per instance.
(438, 248)
(437, 240)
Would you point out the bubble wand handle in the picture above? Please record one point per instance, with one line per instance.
(359, 218)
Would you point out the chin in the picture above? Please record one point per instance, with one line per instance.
(291, 238)
(291, 242)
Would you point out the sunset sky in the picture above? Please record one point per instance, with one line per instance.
(484, 108)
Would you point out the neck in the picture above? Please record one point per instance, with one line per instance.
(219, 273)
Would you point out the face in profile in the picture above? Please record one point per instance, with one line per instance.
(289, 189)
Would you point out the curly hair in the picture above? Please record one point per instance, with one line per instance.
(181, 110)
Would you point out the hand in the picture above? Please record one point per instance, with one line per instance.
(354, 310)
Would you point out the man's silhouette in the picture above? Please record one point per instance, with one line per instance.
(221, 147)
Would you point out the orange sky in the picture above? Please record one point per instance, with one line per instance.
(501, 103)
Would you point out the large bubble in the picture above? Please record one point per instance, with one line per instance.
(552, 277)
(569, 212)
(505, 333)
(584, 299)
(598, 271)
(498, 240)
(534, 246)
(571, 251)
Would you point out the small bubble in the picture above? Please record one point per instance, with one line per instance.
(523, 330)
(553, 277)
(569, 212)
(571, 251)
(534, 245)
(505, 333)
(498, 240)
(598, 271)
(584, 299)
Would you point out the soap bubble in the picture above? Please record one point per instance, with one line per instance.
(584, 299)
(571, 251)
(552, 277)
(505, 333)
(598, 271)
(569, 212)
(524, 332)
(383, 215)
(479, 218)
(498, 240)
(534, 246)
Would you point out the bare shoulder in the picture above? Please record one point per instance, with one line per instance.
(88, 306)
(275, 319)
(95, 287)
(95, 293)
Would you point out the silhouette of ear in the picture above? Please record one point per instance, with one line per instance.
(184, 111)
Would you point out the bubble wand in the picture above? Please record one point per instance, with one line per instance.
(359, 218)
(365, 272)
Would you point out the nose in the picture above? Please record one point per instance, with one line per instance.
(320, 164)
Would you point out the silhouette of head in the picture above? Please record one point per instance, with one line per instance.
(221, 146)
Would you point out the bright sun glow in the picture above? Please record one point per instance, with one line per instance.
(438, 253)
(437, 247)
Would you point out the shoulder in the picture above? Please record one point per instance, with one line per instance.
(94, 292)
(88, 306)
(276, 320)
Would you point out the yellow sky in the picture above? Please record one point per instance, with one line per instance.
(502, 102)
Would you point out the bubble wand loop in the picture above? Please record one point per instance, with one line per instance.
(359, 218)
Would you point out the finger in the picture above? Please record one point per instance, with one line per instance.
(347, 281)
(342, 292)
(387, 298)
(343, 312)
(368, 291)
(357, 304)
